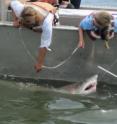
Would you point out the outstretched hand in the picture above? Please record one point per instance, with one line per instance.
(16, 24)
(81, 44)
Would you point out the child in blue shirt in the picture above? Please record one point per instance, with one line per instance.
(99, 25)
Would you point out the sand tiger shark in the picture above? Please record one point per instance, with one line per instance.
(87, 87)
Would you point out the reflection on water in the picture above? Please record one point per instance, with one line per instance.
(29, 104)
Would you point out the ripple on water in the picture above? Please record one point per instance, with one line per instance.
(64, 103)
(93, 117)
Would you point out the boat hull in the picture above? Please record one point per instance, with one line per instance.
(19, 47)
(73, 17)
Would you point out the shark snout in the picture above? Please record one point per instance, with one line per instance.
(89, 86)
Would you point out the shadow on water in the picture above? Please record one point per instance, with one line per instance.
(31, 104)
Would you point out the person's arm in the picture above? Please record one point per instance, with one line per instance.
(81, 35)
(112, 35)
(111, 32)
(81, 43)
(17, 8)
(94, 35)
(16, 21)
(46, 39)
(85, 24)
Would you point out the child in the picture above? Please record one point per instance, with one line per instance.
(99, 25)
(36, 14)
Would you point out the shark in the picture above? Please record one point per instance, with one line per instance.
(87, 87)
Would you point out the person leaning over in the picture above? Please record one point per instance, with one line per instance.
(99, 25)
(36, 14)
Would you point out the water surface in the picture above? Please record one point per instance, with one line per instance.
(30, 104)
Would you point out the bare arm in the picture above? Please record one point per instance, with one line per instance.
(17, 8)
(81, 38)
(111, 36)
(16, 21)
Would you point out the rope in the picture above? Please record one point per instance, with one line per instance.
(44, 66)
(63, 62)
(108, 71)
(67, 59)
(23, 44)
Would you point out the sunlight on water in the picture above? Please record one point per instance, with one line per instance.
(93, 117)
(61, 104)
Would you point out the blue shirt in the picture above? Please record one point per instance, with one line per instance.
(87, 23)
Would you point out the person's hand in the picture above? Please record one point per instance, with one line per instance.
(81, 44)
(16, 24)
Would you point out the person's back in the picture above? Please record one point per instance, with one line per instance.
(52, 2)
(46, 6)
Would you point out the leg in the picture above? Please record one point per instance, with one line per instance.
(40, 59)
(45, 41)
(76, 3)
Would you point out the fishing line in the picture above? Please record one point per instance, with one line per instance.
(64, 61)
(24, 45)
(108, 71)
(34, 60)
(102, 68)
(114, 62)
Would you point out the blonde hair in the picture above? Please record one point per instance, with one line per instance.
(29, 16)
(103, 18)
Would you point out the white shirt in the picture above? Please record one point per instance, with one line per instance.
(17, 7)
(46, 37)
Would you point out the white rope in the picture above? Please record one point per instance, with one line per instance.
(107, 71)
(46, 67)
(63, 62)
(23, 43)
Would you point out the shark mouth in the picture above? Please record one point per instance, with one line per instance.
(89, 86)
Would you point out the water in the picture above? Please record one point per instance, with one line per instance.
(30, 104)
(99, 3)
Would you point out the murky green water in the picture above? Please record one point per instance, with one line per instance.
(29, 104)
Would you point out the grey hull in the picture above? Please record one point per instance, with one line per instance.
(74, 16)
(19, 47)
(71, 17)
